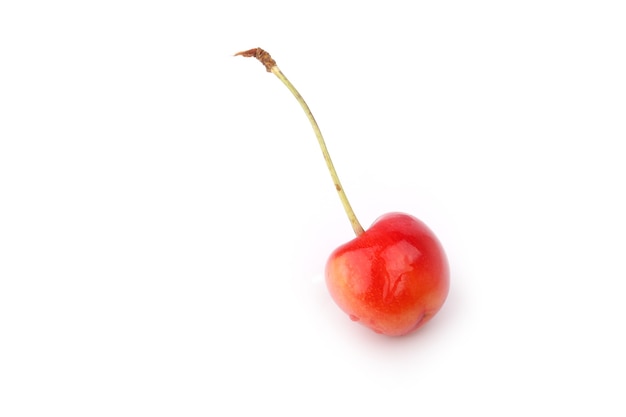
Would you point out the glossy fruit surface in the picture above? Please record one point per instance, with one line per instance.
(392, 278)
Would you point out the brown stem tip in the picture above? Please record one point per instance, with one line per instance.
(261, 55)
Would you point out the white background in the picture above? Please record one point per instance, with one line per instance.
(165, 213)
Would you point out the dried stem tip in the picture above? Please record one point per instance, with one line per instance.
(261, 55)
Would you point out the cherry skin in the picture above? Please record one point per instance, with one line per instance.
(393, 278)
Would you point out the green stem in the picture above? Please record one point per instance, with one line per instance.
(270, 66)
(356, 226)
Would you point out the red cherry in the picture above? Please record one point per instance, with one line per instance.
(393, 277)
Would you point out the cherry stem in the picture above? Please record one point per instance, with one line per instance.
(270, 65)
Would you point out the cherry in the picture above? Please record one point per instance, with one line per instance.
(394, 276)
